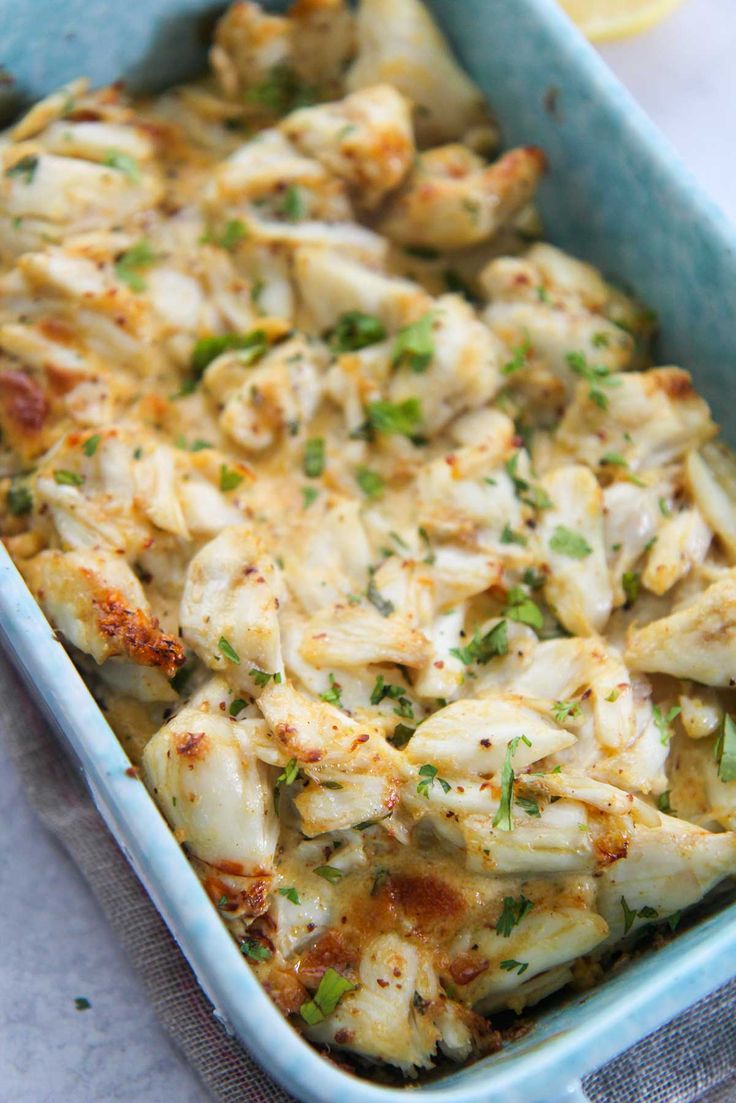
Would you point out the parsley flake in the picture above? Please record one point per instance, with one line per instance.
(370, 482)
(251, 346)
(226, 648)
(237, 706)
(19, 500)
(229, 479)
(383, 604)
(355, 330)
(594, 374)
(512, 914)
(385, 689)
(329, 873)
(263, 677)
(398, 418)
(414, 345)
(332, 695)
(122, 162)
(24, 168)
(254, 950)
(503, 819)
(568, 542)
(663, 722)
(565, 710)
(519, 356)
(522, 609)
(91, 444)
(332, 987)
(68, 478)
(631, 585)
(291, 894)
(484, 647)
(427, 778)
(725, 750)
(513, 966)
(132, 262)
(314, 457)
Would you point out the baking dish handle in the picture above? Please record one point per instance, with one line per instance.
(573, 1093)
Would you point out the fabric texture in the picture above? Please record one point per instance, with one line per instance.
(691, 1059)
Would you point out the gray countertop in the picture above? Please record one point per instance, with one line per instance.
(56, 945)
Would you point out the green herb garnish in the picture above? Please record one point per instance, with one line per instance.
(570, 543)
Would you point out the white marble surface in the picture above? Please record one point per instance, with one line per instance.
(54, 939)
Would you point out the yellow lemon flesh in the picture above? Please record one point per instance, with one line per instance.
(600, 20)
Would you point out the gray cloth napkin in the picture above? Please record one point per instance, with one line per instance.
(693, 1058)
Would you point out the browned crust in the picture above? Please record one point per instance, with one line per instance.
(137, 635)
(23, 403)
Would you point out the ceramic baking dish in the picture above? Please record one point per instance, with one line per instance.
(616, 195)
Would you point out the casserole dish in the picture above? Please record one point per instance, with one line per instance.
(160, 864)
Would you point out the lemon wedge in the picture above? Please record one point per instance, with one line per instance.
(601, 20)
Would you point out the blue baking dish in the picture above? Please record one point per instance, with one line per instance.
(615, 195)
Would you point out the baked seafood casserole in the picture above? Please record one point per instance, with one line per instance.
(405, 579)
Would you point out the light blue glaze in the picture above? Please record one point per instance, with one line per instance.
(615, 195)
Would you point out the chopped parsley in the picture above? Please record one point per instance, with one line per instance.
(251, 346)
(229, 479)
(288, 776)
(332, 695)
(568, 542)
(630, 914)
(329, 873)
(292, 204)
(399, 418)
(664, 508)
(383, 604)
(663, 802)
(522, 609)
(81, 1003)
(355, 330)
(310, 494)
(122, 162)
(234, 231)
(226, 648)
(19, 500)
(263, 677)
(370, 482)
(68, 478)
(508, 536)
(254, 950)
(24, 168)
(725, 750)
(631, 585)
(291, 894)
(532, 579)
(511, 965)
(237, 706)
(332, 987)
(503, 819)
(565, 710)
(91, 444)
(132, 262)
(519, 356)
(281, 91)
(528, 805)
(314, 457)
(663, 722)
(430, 557)
(427, 778)
(534, 496)
(414, 345)
(484, 647)
(383, 689)
(597, 375)
(512, 914)
(401, 735)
